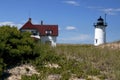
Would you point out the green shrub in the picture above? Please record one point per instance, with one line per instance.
(16, 46)
(2, 66)
(33, 77)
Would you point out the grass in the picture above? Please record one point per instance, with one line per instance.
(78, 61)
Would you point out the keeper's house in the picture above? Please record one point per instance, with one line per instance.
(45, 33)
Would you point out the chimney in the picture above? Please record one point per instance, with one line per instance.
(30, 20)
(41, 22)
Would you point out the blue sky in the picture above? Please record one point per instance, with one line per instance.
(74, 17)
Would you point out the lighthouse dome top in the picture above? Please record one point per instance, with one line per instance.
(100, 19)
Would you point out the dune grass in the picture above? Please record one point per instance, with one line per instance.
(79, 61)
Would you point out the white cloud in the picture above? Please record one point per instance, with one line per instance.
(93, 7)
(78, 38)
(111, 11)
(70, 28)
(59, 28)
(10, 23)
(71, 2)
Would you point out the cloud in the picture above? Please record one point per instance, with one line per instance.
(71, 2)
(111, 11)
(10, 23)
(77, 39)
(80, 37)
(70, 28)
(93, 7)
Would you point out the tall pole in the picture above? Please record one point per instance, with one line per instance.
(105, 30)
(105, 17)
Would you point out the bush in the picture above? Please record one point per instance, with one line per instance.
(2, 66)
(16, 46)
(33, 77)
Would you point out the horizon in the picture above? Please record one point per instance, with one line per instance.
(75, 18)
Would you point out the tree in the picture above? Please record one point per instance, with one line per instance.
(1, 67)
(15, 46)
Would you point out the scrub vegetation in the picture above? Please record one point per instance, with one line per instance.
(65, 62)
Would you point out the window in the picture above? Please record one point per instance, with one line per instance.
(96, 40)
(48, 32)
(34, 32)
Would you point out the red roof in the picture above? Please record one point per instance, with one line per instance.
(41, 28)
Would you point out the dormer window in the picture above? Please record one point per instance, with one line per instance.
(48, 32)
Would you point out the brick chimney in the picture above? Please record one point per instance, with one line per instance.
(30, 20)
(41, 22)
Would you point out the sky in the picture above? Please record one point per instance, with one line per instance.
(75, 18)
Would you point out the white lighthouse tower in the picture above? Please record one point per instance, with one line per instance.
(100, 32)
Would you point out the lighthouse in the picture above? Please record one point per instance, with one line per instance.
(100, 31)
